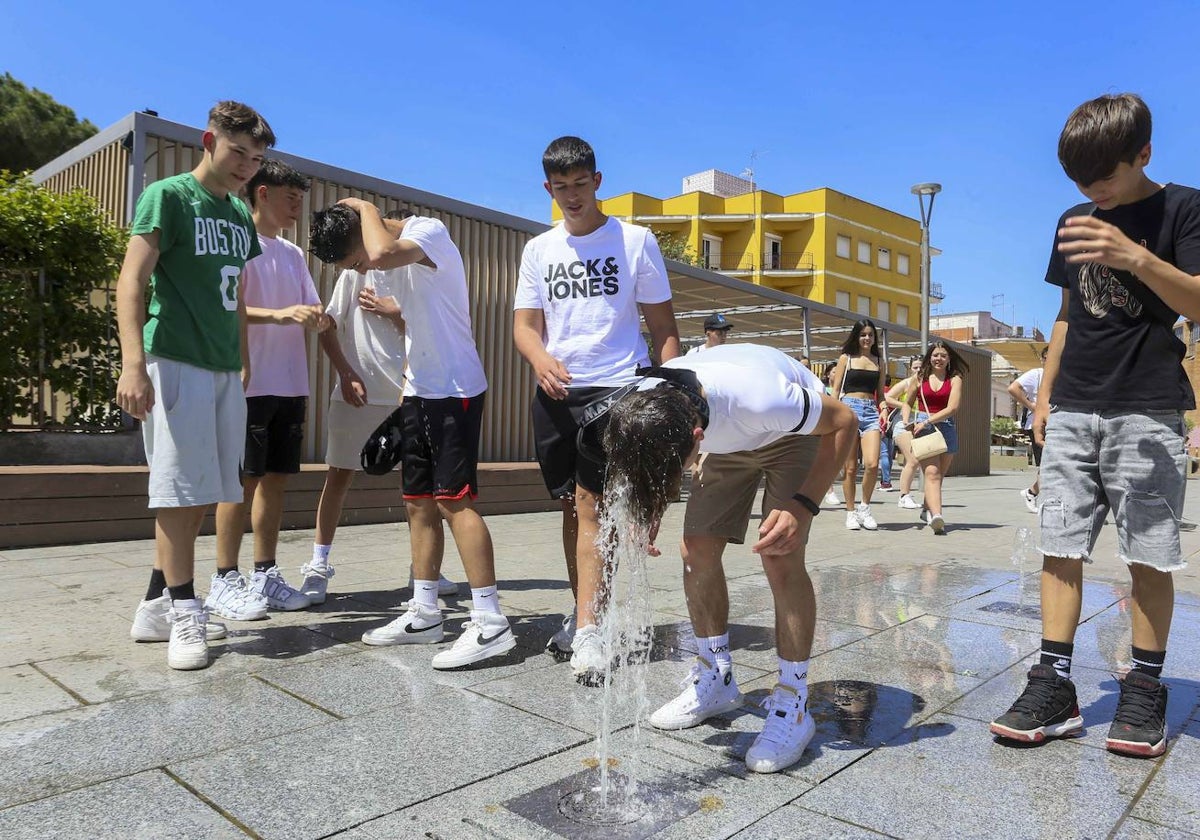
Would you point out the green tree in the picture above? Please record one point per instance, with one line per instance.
(35, 129)
(674, 246)
(59, 258)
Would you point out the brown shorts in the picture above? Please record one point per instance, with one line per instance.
(723, 487)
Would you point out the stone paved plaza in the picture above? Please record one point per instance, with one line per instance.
(298, 730)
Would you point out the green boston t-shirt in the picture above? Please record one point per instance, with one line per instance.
(204, 242)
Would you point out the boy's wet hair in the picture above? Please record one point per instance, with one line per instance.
(567, 154)
(275, 173)
(333, 233)
(648, 440)
(1101, 134)
(228, 117)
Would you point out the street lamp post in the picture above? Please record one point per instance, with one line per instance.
(920, 191)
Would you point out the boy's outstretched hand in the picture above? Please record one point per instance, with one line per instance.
(1088, 239)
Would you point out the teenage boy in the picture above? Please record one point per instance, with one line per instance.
(576, 323)
(281, 302)
(441, 414)
(747, 412)
(1024, 390)
(716, 333)
(1127, 262)
(185, 364)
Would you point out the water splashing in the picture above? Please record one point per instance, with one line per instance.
(1024, 557)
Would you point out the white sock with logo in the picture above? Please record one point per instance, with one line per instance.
(486, 599)
(321, 553)
(795, 676)
(425, 593)
(716, 650)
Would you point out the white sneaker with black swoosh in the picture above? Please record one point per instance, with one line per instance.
(419, 626)
(484, 636)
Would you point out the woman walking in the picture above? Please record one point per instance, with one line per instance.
(894, 399)
(936, 394)
(858, 380)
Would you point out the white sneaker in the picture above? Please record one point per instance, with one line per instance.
(316, 580)
(907, 502)
(785, 734)
(150, 622)
(230, 596)
(420, 625)
(852, 523)
(588, 660)
(937, 523)
(706, 693)
(446, 587)
(271, 585)
(831, 499)
(561, 643)
(484, 636)
(187, 649)
(865, 518)
(1031, 501)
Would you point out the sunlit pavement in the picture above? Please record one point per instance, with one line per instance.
(299, 730)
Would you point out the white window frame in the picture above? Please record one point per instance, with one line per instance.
(902, 314)
(864, 306)
(902, 264)
(770, 239)
(864, 252)
(883, 310)
(843, 252)
(842, 300)
(884, 259)
(707, 241)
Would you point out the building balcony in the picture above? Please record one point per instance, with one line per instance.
(787, 263)
(935, 292)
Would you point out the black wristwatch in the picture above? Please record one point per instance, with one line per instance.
(811, 506)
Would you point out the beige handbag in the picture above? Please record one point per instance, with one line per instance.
(929, 444)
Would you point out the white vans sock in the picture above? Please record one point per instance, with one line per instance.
(716, 650)
(795, 675)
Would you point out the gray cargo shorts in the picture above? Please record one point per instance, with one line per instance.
(1130, 462)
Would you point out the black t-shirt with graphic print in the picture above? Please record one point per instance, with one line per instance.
(1121, 350)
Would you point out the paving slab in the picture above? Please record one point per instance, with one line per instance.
(1173, 796)
(25, 691)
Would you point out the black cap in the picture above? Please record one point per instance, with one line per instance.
(717, 322)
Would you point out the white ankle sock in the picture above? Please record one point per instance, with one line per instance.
(321, 553)
(795, 675)
(716, 650)
(425, 593)
(486, 599)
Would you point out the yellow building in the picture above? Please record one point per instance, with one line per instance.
(821, 244)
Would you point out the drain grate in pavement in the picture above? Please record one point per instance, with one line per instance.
(569, 808)
(1008, 607)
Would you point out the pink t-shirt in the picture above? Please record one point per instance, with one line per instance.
(276, 280)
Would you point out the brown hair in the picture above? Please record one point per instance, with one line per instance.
(228, 117)
(1102, 133)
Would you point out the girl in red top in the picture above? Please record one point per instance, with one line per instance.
(936, 393)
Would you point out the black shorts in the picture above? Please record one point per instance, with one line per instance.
(555, 430)
(274, 434)
(441, 447)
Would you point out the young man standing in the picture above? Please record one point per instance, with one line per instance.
(716, 333)
(747, 412)
(441, 414)
(185, 364)
(1128, 263)
(576, 323)
(281, 302)
(1024, 390)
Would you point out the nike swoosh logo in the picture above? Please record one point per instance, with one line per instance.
(484, 640)
(410, 629)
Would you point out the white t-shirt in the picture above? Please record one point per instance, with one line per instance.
(277, 279)
(371, 343)
(589, 288)
(700, 348)
(442, 358)
(1030, 382)
(756, 396)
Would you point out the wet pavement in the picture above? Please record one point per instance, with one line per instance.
(298, 730)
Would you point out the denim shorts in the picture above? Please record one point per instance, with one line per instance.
(946, 427)
(867, 412)
(1130, 462)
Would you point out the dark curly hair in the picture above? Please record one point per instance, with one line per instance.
(333, 233)
(648, 440)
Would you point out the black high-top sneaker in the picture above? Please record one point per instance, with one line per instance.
(1047, 708)
(1140, 725)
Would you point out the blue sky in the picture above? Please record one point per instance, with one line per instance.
(461, 98)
